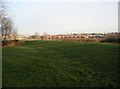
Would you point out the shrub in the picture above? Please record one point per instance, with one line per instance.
(112, 38)
(10, 42)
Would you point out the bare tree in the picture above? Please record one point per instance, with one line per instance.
(2, 16)
(45, 36)
(37, 35)
(7, 29)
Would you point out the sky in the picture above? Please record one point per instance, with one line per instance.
(64, 16)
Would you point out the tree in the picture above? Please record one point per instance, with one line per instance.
(37, 36)
(7, 29)
(45, 36)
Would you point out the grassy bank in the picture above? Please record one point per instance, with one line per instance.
(60, 63)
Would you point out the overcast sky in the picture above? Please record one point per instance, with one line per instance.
(64, 16)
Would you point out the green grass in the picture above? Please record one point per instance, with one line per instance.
(61, 63)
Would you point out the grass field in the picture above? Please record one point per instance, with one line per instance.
(61, 63)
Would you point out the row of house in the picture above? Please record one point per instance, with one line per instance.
(72, 36)
(60, 36)
(82, 35)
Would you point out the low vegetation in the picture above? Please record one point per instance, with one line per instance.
(111, 38)
(7, 43)
(61, 63)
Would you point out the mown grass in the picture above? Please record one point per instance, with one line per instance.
(61, 63)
